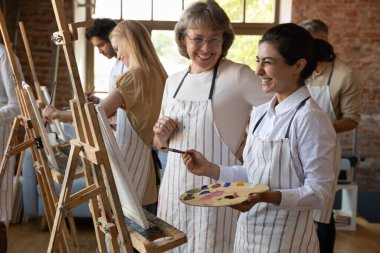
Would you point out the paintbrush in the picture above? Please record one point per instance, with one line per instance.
(173, 150)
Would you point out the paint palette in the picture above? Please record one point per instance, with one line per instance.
(221, 194)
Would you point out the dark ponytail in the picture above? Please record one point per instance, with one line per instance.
(324, 51)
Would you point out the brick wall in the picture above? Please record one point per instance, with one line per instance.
(355, 33)
(39, 22)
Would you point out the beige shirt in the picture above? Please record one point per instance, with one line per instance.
(345, 89)
(142, 117)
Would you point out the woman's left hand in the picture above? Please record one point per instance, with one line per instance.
(272, 197)
(252, 200)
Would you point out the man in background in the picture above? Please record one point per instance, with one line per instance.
(98, 35)
(337, 90)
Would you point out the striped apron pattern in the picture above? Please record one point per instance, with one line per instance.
(6, 186)
(321, 94)
(266, 228)
(207, 229)
(136, 154)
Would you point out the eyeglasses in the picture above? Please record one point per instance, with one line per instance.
(199, 41)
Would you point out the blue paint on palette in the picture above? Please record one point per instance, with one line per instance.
(227, 184)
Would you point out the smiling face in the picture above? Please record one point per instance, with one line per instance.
(118, 46)
(104, 47)
(204, 47)
(275, 74)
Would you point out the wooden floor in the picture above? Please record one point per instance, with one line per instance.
(28, 237)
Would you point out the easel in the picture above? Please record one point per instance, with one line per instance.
(32, 140)
(42, 100)
(101, 190)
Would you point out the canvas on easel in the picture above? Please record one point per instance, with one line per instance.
(45, 137)
(56, 123)
(127, 194)
(57, 159)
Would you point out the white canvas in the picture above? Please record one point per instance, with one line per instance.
(42, 130)
(128, 198)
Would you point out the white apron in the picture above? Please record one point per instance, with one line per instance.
(207, 229)
(321, 94)
(6, 186)
(265, 228)
(136, 154)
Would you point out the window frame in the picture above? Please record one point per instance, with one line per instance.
(240, 28)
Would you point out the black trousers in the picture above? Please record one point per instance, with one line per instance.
(3, 238)
(326, 235)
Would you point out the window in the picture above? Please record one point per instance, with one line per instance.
(249, 19)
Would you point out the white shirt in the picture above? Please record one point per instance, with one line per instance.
(8, 99)
(312, 143)
(237, 89)
(117, 70)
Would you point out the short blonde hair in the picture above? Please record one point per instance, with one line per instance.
(208, 14)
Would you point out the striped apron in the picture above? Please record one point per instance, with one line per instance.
(321, 94)
(207, 229)
(6, 186)
(266, 228)
(136, 154)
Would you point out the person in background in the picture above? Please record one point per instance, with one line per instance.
(290, 147)
(337, 90)
(139, 93)
(9, 109)
(98, 35)
(206, 106)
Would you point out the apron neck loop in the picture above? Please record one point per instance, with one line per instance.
(303, 102)
(212, 82)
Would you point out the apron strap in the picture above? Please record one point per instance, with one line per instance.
(331, 73)
(291, 120)
(180, 84)
(258, 122)
(157, 166)
(213, 80)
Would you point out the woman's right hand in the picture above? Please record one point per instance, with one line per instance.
(164, 128)
(90, 97)
(198, 165)
(48, 113)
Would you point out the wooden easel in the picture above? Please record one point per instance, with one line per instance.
(32, 140)
(42, 100)
(101, 192)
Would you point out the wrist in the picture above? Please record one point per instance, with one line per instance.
(213, 171)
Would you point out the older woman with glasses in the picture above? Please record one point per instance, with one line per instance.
(204, 107)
